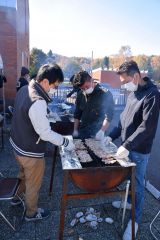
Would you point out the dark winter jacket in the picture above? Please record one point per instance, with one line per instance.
(94, 108)
(21, 82)
(138, 121)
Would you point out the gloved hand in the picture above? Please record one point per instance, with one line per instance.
(75, 133)
(107, 140)
(122, 152)
(68, 144)
(100, 135)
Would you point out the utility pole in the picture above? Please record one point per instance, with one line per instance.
(91, 62)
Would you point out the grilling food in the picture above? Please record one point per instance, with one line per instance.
(96, 148)
(83, 156)
(109, 159)
(79, 145)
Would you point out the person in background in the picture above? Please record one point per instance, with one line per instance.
(137, 128)
(2, 80)
(30, 131)
(94, 108)
(75, 89)
(24, 78)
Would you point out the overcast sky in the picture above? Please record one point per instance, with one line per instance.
(76, 27)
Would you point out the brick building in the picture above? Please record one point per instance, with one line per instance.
(106, 76)
(14, 41)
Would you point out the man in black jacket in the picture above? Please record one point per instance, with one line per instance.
(137, 128)
(94, 108)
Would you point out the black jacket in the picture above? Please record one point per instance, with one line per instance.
(21, 82)
(2, 80)
(138, 121)
(94, 108)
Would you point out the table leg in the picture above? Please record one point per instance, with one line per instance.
(54, 160)
(63, 205)
(133, 201)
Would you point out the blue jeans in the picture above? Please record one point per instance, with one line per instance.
(141, 161)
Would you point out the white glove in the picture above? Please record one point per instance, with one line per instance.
(69, 145)
(122, 152)
(107, 140)
(75, 133)
(100, 135)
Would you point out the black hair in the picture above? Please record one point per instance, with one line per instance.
(80, 78)
(52, 72)
(130, 68)
(24, 71)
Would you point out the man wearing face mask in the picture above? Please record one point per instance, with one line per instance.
(94, 108)
(30, 131)
(137, 128)
(24, 78)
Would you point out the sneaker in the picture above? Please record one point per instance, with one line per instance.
(39, 215)
(118, 204)
(15, 202)
(128, 232)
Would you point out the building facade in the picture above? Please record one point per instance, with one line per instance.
(14, 42)
(107, 76)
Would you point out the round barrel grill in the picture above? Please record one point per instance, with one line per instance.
(99, 178)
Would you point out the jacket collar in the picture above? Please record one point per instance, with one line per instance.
(148, 84)
(40, 90)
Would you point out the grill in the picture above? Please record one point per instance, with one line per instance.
(95, 178)
(95, 175)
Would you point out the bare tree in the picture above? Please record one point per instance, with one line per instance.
(125, 52)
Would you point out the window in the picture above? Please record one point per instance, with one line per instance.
(8, 3)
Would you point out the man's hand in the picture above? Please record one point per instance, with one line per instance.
(107, 140)
(122, 152)
(75, 133)
(69, 146)
(100, 135)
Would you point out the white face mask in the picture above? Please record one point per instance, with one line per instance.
(131, 86)
(89, 90)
